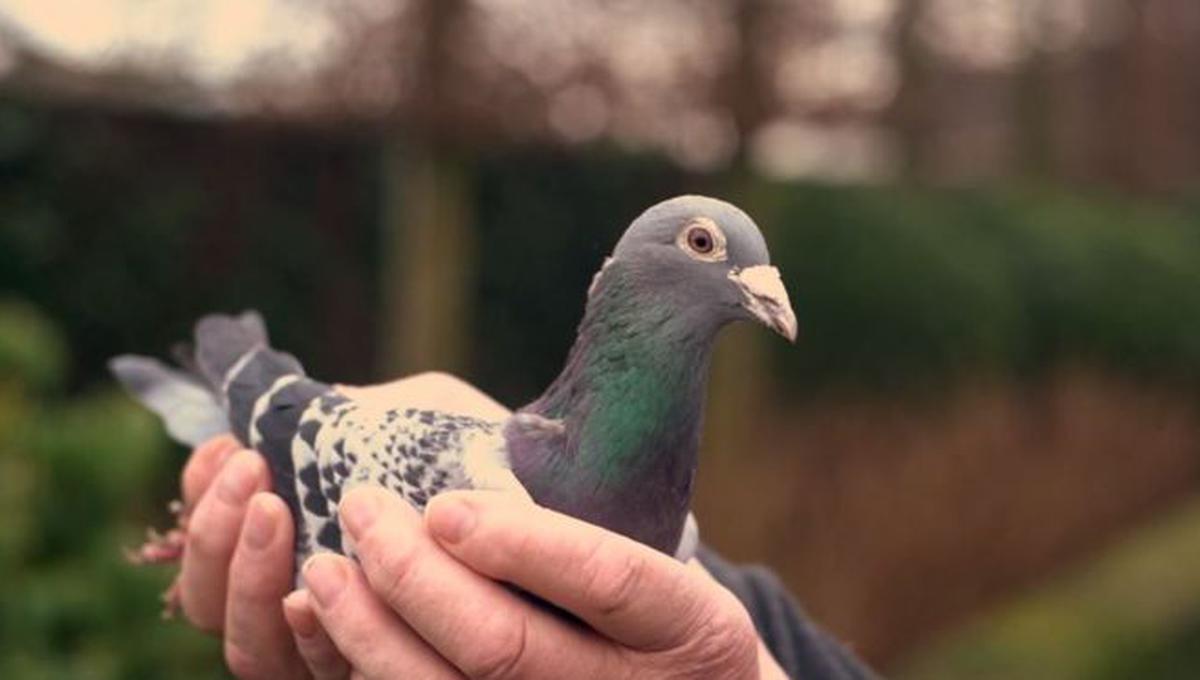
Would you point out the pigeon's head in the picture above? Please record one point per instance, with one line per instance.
(710, 260)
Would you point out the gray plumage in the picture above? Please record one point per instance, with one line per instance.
(188, 408)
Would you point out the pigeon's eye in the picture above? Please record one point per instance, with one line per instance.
(702, 240)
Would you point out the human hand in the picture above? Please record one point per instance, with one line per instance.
(428, 601)
(237, 559)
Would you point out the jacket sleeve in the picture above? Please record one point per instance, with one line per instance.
(801, 648)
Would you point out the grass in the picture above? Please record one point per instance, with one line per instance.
(1132, 613)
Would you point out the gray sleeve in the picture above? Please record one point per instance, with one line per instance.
(804, 650)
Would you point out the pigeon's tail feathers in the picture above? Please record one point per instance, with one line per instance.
(189, 409)
(254, 375)
(223, 342)
(229, 378)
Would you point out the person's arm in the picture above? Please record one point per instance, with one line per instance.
(799, 645)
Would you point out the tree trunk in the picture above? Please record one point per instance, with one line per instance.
(428, 256)
(427, 262)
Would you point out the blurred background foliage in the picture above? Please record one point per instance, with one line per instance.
(74, 470)
(980, 461)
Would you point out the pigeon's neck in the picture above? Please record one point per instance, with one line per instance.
(631, 400)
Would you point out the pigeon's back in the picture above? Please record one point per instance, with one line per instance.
(317, 441)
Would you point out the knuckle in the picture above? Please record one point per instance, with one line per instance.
(206, 614)
(205, 541)
(191, 481)
(322, 658)
(502, 654)
(723, 638)
(508, 551)
(203, 465)
(612, 585)
(435, 377)
(241, 663)
(201, 618)
(390, 565)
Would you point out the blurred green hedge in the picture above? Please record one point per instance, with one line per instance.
(76, 476)
(900, 285)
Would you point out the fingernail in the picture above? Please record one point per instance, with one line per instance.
(451, 520)
(260, 524)
(299, 615)
(324, 577)
(237, 478)
(359, 511)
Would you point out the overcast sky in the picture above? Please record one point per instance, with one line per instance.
(213, 38)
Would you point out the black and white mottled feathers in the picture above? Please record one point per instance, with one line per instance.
(318, 442)
(417, 453)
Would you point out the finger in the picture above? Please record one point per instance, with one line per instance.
(368, 634)
(203, 465)
(211, 537)
(320, 655)
(625, 590)
(475, 623)
(258, 642)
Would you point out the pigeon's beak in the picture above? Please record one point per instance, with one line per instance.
(764, 296)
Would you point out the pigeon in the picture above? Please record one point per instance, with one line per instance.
(613, 440)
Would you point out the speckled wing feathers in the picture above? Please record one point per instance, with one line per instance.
(336, 443)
